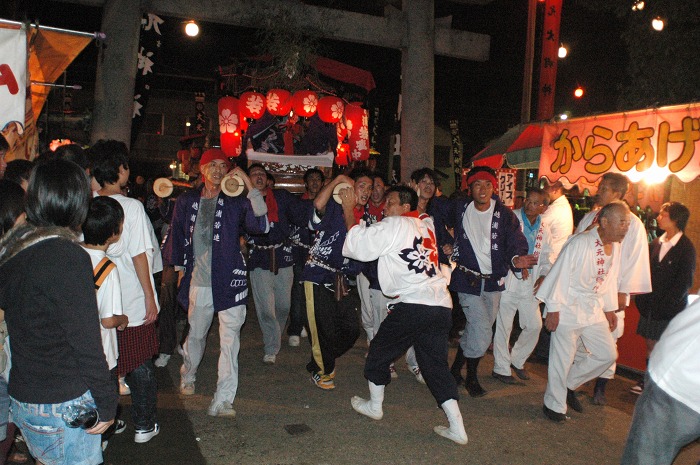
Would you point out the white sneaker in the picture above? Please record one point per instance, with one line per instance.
(187, 389)
(162, 360)
(304, 333)
(294, 341)
(142, 436)
(269, 359)
(124, 389)
(416, 371)
(221, 409)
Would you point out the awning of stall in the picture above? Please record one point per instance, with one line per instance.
(645, 145)
(50, 52)
(519, 147)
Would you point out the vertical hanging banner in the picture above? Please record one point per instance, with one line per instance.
(548, 63)
(456, 153)
(506, 185)
(13, 75)
(149, 44)
(201, 119)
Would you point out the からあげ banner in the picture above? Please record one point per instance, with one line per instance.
(644, 145)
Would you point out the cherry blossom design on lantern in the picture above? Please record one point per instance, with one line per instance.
(310, 103)
(419, 258)
(254, 104)
(228, 122)
(337, 110)
(273, 101)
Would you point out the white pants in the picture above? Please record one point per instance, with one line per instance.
(563, 373)
(617, 334)
(200, 316)
(530, 319)
(368, 320)
(272, 296)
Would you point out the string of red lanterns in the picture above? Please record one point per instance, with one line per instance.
(351, 119)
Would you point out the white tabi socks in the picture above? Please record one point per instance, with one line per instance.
(372, 407)
(456, 430)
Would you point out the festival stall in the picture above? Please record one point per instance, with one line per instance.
(32, 58)
(655, 149)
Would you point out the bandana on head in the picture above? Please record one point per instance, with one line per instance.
(481, 176)
(214, 154)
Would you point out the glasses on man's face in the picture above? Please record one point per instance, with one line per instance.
(533, 203)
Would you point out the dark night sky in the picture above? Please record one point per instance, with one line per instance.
(484, 97)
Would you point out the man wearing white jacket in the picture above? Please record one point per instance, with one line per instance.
(580, 292)
(419, 314)
(519, 295)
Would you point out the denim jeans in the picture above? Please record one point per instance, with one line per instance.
(4, 407)
(144, 396)
(49, 439)
(661, 426)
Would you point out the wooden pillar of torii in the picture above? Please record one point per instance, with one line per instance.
(413, 30)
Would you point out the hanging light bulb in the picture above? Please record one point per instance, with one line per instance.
(638, 5)
(658, 24)
(563, 51)
(192, 29)
(578, 93)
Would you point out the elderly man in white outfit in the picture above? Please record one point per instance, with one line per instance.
(519, 295)
(581, 296)
(635, 272)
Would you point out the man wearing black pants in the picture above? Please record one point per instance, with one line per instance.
(420, 316)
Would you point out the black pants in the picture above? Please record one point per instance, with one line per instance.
(297, 309)
(333, 326)
(425, 328)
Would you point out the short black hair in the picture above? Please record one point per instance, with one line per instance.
(361, 172)
(678, 213)
(105, 157)
(406, 195)
(18, 170)
(74, 153)
(311, 171)
(537, 190)
(104, 219)
(58, 195)
(257, 165)
(379, 175)
(270, 177)
(4, 145)
(618, 182)
(419, 174)
(11, 204)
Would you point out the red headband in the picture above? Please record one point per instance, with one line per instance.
(214, 154)
(483, 176)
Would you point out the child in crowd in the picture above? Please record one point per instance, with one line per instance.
(103, 227)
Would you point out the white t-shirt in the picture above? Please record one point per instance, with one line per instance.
(136, 239)
(109, 303)
(477, 225)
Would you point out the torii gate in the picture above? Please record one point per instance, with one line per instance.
(413, 30)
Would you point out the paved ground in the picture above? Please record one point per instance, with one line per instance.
(282, 418)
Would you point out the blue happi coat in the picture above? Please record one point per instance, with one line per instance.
(507, 241)
(292, 212)
(233, 216)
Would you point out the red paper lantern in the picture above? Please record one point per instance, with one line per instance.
(252, 105)
(231, 144)
(330, 109)
(279, 102)
(357, 122)
(305, 103)
(229, 121)
(341, 157)
(341, 131)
